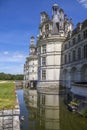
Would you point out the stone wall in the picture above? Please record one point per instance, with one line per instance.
(9, 119)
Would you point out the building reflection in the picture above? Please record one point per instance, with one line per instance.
(47, 109)
(46, 115)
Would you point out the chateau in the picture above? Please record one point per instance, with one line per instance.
(60, 55)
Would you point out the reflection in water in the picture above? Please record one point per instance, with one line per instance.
(47, 115)
(48, 110)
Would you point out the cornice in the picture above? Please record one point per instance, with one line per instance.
(53, 38)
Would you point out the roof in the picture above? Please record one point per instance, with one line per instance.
(84, 24)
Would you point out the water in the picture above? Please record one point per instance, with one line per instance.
(49, 118)
(23, 111)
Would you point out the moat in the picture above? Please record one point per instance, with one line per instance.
(49, 118)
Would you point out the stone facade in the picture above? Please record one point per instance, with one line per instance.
(31, 65)
(52, 35)
(74, 56)
(9, 119)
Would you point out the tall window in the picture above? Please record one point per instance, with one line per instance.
(65, 59)
(65, 46)
(43, 99)
(85, 51)
(74, 41)
(44, 49)
(39, 50)
(46, 30)
(74, 55)
(43, 61)
(69, 57)
(85, 34)
(39, 60)
(69, 44)
(79, 53)
(43, 74)
(79, 38)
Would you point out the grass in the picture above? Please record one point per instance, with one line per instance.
(7, 95)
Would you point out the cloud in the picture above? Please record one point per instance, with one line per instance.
(5, 52)
(83, 2)
(12, 62)
(12, 57)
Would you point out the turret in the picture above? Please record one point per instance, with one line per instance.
(44, 17)
(61, 14)
(32, 47)
(55, 13)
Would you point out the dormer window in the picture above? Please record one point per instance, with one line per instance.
(46, 30)
(85, 34)
(74, 41)
(79, 38)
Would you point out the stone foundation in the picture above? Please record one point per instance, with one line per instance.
(9, 119)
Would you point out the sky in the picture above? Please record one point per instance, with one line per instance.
(20, 19)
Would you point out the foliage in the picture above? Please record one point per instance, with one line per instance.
(84, 112)
(4, 76)
(7, 95)
(74, 102)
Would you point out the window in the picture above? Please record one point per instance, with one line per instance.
(79, 38)
(43, 99)
(39, 61)
(74, 55)
(69, 57)
(44, 49)
(85, 51)
(69, 44)
(43, 61)
(74, 41)
(85, 34)
(65, 46)
(47, 28)
(43, 74)
(39, 50)
(32, 70)
(65, 59)
(79, 53)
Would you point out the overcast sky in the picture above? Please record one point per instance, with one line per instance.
(19, 20)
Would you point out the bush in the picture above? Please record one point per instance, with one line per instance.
(74, 102)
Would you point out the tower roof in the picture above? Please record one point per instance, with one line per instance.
(55, 6)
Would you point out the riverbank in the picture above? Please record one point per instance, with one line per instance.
(9, 106)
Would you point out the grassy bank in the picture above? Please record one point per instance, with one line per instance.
(7, 95)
